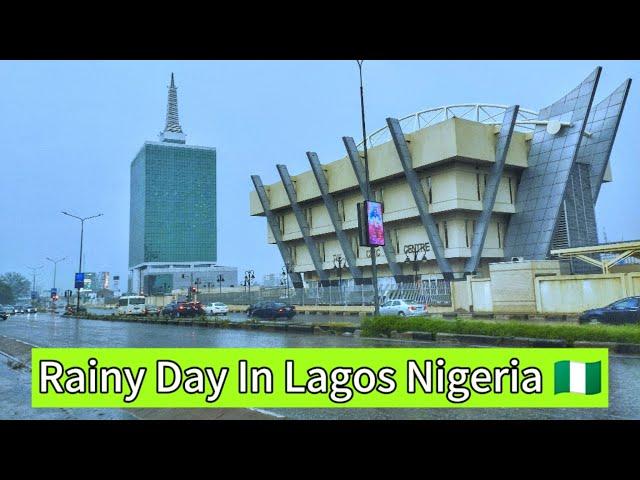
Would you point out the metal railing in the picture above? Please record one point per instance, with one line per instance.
(479, 112)
(436, 293)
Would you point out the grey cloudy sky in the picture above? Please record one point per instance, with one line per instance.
(69, 130)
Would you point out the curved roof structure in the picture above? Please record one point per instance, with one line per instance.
(478, 112)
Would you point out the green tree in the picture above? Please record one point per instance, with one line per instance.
(18, 283)
(6, 295)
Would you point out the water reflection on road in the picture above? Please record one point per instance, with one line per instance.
(44, 329)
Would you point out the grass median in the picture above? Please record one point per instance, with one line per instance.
(378, 326)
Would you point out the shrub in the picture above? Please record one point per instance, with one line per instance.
(377, 326)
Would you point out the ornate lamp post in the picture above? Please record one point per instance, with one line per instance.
(249, 276)
(220, 281)
(412, 252)
(339, 264)
(284, 281)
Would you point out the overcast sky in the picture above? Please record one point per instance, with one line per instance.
(69, 130)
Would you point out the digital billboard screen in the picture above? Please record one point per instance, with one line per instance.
(375, 227)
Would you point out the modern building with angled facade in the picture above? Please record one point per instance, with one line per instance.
(463, 186)
(173, 230)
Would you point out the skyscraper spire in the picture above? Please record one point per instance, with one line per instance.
(172, 130)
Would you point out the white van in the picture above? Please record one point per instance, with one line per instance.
(131, 305)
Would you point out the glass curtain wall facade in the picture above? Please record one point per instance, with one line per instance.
(173, 204)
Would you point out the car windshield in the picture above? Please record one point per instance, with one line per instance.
(219, 304)
(136, 301)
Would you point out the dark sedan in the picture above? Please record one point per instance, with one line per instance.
(271, 310)
(619, 312)
(183, 309)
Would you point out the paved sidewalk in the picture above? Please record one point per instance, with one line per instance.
(15, 401)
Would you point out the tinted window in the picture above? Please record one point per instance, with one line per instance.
(627, 303)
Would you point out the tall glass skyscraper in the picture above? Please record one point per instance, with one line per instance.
(173, 203)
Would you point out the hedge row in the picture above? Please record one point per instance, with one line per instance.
(378, 326)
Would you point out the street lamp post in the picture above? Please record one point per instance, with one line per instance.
(286, 271)
(249, 276)
(55, 267)
(82, 220)
(33, 284)
(339, 263)
(220, 281)
(374, 268)
(415, 250)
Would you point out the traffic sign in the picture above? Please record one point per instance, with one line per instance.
(79, 280)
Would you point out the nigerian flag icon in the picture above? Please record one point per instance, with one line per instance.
(577, 377)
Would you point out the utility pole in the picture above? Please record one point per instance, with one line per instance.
(374, 269)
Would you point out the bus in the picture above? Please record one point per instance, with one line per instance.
(132, 305)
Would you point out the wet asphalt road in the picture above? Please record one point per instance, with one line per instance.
(54, 331)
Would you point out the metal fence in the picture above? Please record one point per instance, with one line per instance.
(431, 293)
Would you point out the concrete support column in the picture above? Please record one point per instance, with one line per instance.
(491, 189)
(302, 223)
(329, 202)
(295, 277)
(358, 169)
(418, 195)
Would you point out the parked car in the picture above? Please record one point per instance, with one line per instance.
(183, 309)
(272, 310)
(255, 306)
(403, 307)
(30, 309)
(216, 308)
(626, 310)
(153, 310)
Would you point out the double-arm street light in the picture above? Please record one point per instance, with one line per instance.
(220, 281)
(33, 285)
(55, 268)
(82, 220)
(412, 252)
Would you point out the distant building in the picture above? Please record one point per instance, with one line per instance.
(271, 280)
(159, 278)
(173, 226)
(102, 281)
(90, 282)
(116, 286)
